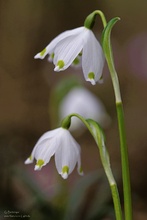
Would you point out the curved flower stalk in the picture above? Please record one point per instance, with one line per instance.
(83, 102)
(58, 142)
(74, 46)
(98, 135)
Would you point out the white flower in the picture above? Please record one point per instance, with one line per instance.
(86, 104)
(66, 48)
(58, 142)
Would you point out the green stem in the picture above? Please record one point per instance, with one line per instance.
(101, 14)
(90, 19)
(97, 133)
(116, 201)
(113, 186)
(120, 116)
(125, 163)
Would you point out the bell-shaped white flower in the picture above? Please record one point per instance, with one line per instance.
(58, 142)
(65, 49)
(86, 104)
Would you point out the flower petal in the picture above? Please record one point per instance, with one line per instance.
(29, 160)
(49, 49)
(68, 154)
(39, 164)
(80, 170)
(41, 54)
(46, 150)
(65, 172)
(92, 59)
(48, 135)
(51, 46)
(67, 50)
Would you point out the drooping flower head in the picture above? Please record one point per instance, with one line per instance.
(58, 142)
(73, 46)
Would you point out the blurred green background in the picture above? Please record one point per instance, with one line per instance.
(26, 86)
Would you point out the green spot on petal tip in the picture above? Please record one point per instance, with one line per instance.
(42, 52)
(60, 64)
(40, 162)
(52, 55)
(81, 170)
(65, 169)
(91, 75)
(76, 61)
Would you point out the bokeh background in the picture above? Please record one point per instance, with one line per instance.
(27, 110)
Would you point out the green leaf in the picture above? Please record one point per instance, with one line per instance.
(106, 34)
(96, 132)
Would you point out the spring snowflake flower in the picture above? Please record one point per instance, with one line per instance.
(86, 104)
(58, 142)
(70, 47)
